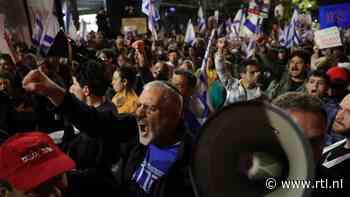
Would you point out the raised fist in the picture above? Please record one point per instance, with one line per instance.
(37, 82)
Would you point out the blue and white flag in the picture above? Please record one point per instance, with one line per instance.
(201, 20)
(202, 91)
(237, 22)
(44, 32)
(291, 34)
(228, 25)
(252, 21)
(251, 25)
(190, 35)
(51, 29)
(69, 26)
(38, 30)
(145, 7)
(148, 7)
(250, 50)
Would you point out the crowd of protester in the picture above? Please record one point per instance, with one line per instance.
(124, 113)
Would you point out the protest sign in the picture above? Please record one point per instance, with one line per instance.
(328, 38)
(137, 23)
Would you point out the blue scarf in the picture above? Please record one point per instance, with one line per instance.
(156, 164)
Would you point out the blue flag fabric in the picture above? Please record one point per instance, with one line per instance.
(156, 164)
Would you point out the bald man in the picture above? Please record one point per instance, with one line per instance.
(337, 156)
(155, 165)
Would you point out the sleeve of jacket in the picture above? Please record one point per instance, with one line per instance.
(96, 124)
(12, 121)
(271, 89)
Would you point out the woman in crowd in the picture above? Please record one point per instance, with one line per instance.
(123, 83)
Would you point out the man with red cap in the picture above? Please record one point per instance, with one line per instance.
(32, 165)
(339, 80)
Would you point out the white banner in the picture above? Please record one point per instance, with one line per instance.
(328, 38)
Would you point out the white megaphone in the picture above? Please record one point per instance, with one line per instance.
(248, 149)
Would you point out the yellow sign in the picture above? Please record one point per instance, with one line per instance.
(138, 24)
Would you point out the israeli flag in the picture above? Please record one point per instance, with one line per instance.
(152, 27)
(44, 32)
(228, 24)
(202, 91)
(251, 25)
(190, 35)
(70, 29)
(51, 29)
(148, 8)
(291, 34)
(237, 22)
(201, 20)
(250, 50)
(253, 20)
(145, 7)
(38, 30)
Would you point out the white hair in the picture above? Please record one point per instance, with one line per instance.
(170, 97)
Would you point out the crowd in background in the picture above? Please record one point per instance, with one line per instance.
(119, 76)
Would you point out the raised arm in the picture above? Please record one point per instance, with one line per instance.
(85, 118)
(223, 72)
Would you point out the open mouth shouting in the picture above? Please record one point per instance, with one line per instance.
(142, 127)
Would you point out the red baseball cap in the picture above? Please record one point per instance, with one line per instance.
(337, 73)
(29, 159)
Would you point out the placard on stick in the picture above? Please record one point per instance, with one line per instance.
(328, 38)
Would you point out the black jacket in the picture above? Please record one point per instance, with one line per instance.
(12, 121)
(123, 128)
(175, 183)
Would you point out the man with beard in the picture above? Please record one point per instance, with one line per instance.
(295, 78)
(337, 156)
(155, 162)
(339, 80)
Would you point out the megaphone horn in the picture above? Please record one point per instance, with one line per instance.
(247, 149)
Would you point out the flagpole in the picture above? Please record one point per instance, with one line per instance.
(204, 62)
(70, 55)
